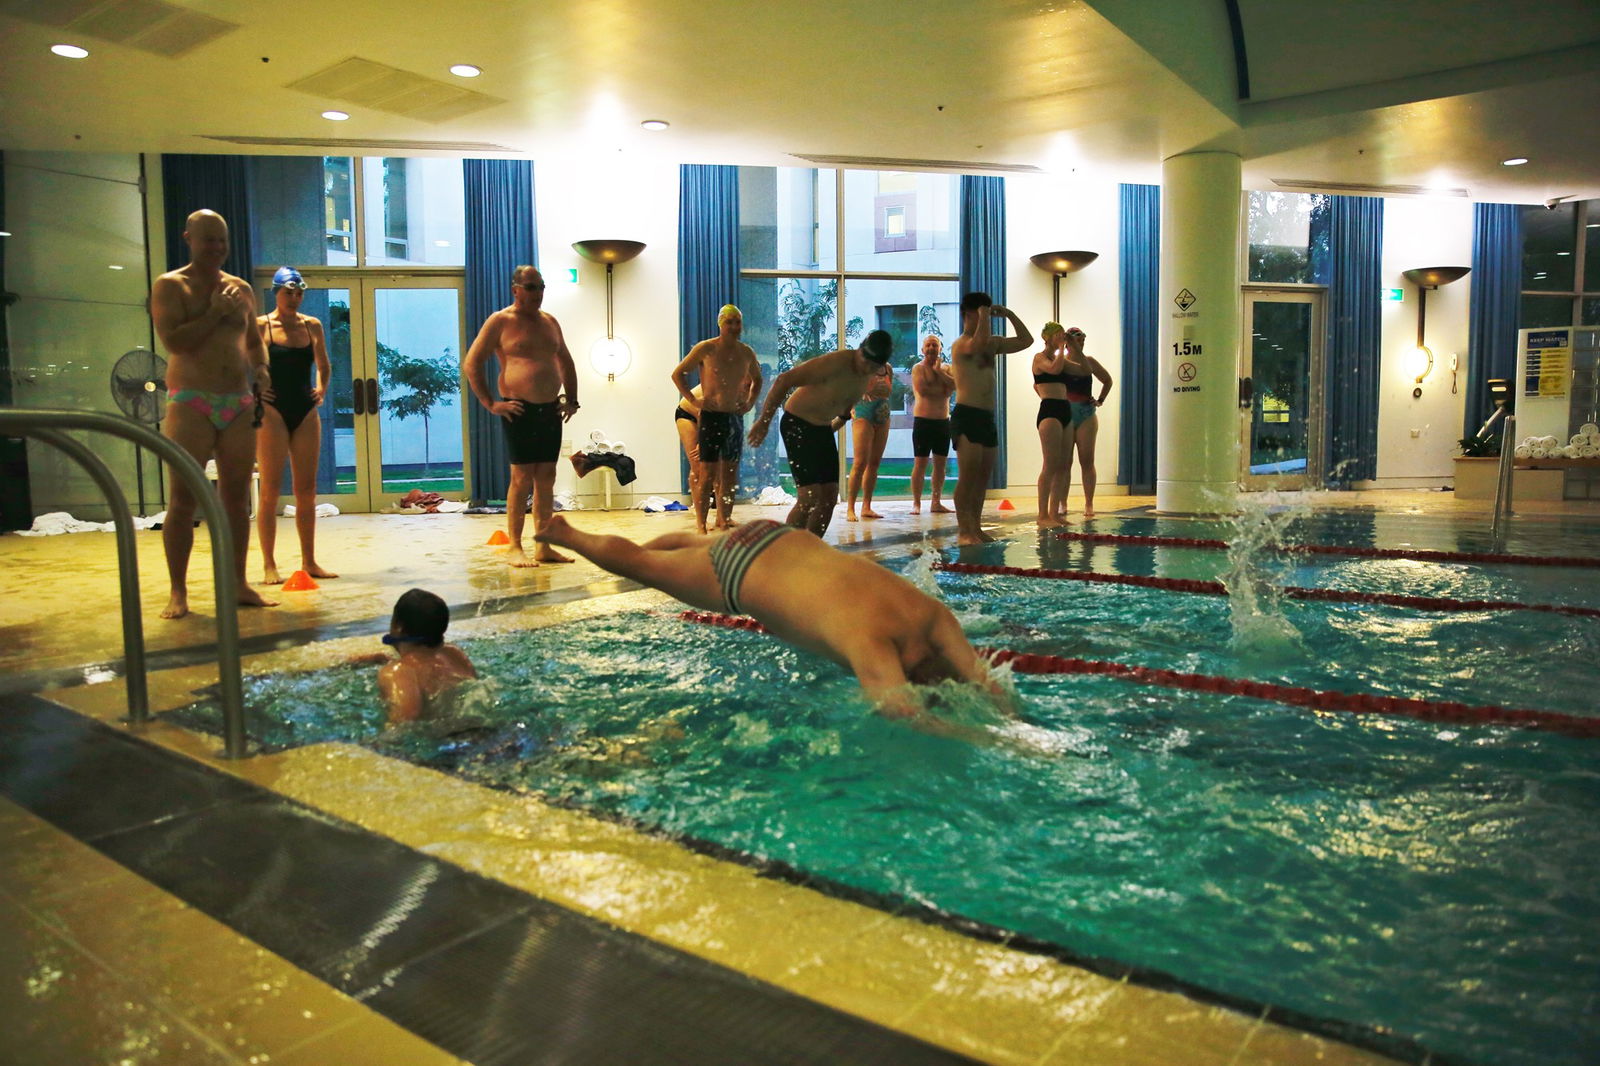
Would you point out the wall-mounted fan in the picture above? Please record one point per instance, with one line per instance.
(139, 385)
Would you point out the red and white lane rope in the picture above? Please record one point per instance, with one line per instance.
(1293, 695)
(1335, 549)
(1217, 588)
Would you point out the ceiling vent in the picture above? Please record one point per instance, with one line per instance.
(399, 92)
(356, 146)
(1345, 188)
(954, 166)
(148, 25)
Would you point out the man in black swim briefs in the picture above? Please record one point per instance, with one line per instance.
(825, 389)
(730, 381)
(972, 424)
(539, 389)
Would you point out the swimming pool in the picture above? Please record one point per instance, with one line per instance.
(1436, 882)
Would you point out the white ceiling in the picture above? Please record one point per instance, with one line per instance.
(1349, 91)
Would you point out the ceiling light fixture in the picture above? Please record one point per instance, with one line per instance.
(655, 124)
(70, 51)
(465, 70)
(336, 116)
(5, 233)
(1515, 161)
(115, 266)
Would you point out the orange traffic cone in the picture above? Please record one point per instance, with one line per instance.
(300, 581)
(1006, 505)
(498, 537)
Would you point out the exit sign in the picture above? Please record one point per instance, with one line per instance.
(1394, 296)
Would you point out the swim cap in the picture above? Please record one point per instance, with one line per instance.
(878, 346)
(729, 309)
(1071, 330)
(287, 278)
(1051, 329)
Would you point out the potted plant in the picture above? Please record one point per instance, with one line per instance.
(1477, 467)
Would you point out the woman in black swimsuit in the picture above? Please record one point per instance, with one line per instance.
(1055, 424)
(290, 424)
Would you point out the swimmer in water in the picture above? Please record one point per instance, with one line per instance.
(888, 632)
(421, 683)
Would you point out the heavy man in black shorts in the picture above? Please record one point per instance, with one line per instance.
(540, 388)
(825, 389)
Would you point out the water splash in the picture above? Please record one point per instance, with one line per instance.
(1257, 571)
(921, 572)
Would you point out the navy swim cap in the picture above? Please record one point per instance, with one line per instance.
(878, 346)
(287, 278)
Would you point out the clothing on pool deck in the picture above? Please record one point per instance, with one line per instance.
(1082, 411)
(220, 407)
(974, 423)
(721, 436)
(874, 411)
(534, 436)
(930, 436)
(583, 462)
(687, 416)
(813, 452)
(291, 381)
(735, 550)
(1060, 410)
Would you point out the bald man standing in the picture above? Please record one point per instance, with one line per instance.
(730, 381)
(206, 320)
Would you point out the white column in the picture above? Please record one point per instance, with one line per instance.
(1197, 387)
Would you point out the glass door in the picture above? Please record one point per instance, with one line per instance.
(1280, 413)
(410, 418)
(393, 417)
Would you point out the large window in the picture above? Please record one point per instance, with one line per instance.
(896, 236)
(339, 211)
(1287, 235)
(1561, 265)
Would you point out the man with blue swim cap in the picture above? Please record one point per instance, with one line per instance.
(825, 392)
(730, 382)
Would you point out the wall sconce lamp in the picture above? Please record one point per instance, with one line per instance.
(610, 355)
(1426, 278)
(1058, 264)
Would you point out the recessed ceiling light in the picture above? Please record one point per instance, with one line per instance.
(335, 116)
(5, 233)
(465, 70)
(655, 124)
(1563, 253)
(70, 51)
(115, 266)
(1515, 161)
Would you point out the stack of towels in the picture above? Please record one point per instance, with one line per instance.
(1584, 444)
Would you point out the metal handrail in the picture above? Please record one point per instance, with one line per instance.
(1502, 490)
(46, 425)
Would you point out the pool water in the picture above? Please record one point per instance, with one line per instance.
(1441, 883)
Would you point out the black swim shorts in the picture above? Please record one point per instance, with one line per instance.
(1060, 410)
(534, 436)
(813, 451)
(721, 436)
(930, 436)
(974, 423)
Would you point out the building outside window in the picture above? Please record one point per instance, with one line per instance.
(827, 255)
(1561, 265)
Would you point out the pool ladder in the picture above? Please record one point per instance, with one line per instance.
(49, 426)
(1502, 488)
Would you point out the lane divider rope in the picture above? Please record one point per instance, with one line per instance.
(1421, 554)
(1293, 695)
(1217, 588)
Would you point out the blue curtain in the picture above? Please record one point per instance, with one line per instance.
(1139, 248)
(501, 235)
(1350, 380)
(708, 277)
(16, 507)
(220, 182)
(983, 269)
(1495, 304)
